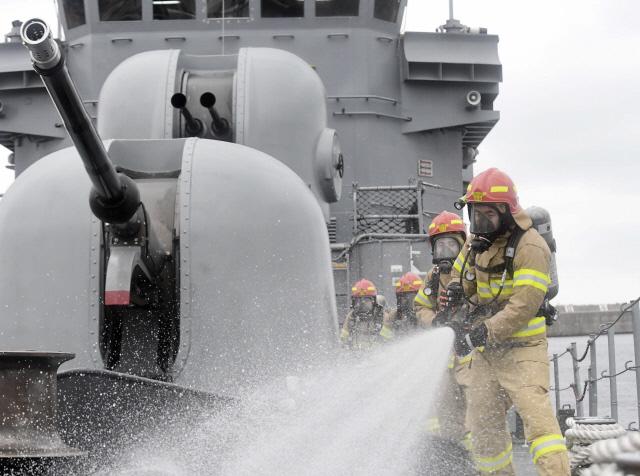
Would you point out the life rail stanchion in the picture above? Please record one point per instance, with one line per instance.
(556, 382)
(613, 385)
(635, 317)
(593, 377)
(576, 378)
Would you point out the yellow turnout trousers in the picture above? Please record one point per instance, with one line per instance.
(518, 375)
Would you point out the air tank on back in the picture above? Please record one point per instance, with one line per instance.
(202, 262)
(542, 224)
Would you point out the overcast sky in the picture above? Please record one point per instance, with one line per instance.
(569, 124)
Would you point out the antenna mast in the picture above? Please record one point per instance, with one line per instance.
(223, 22)
(452, 25)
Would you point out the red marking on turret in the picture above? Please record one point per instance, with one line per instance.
(117, 298)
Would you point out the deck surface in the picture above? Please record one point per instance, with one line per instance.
(522, 459)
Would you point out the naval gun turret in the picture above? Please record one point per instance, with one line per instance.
(188, 273)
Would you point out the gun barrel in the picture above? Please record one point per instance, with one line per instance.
(112, 190)
(220, 125)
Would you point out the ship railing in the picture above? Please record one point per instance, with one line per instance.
(589, 386)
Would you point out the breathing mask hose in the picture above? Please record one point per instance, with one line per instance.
(464, 265)
(434, 284)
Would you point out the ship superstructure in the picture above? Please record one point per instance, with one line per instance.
(410, 109)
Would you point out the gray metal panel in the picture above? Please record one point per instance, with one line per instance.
(14, 58)
(383, 262)
(459, 48)
(147, 80)
(30, 112)
(47, 297)
(449, 118)
(280, 109)
(157, 156)
(256, 264)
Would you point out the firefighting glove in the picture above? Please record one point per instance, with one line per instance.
(465, 342)
(478, 335)
(440, 319)
(459, 342)
(451, 297)
(549, 312)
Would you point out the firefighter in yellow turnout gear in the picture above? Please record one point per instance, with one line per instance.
(447, 236)
(402, 320)
(362, 325)
(510, 261)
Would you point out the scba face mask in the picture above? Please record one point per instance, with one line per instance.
(445, 249)
(363, 305)
(485, 219)
(487, 223)
(405, 301)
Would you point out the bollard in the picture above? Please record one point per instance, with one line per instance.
(593, 377)
(613, 386)
(576, 378)
(635, 316)
(563, 414)
(556, 382)
(29, 439)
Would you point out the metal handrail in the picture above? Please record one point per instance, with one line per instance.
(366, 97)
(590, 384)
(387, 217)
(371, 113)
(384, 188)
(379, 236)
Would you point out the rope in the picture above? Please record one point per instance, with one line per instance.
(584, 391)
(589, 434)
(581, 436)
(604, 329)
(606, 451)
(622, 312)
(586, 350)
(627, 368)
(568, 387)
(603, 470)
